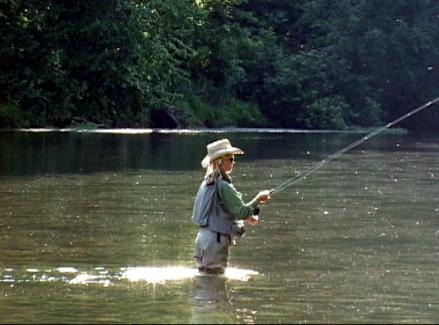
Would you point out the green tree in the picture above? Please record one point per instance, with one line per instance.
(305, 63)
(108, 61)
(387, 48)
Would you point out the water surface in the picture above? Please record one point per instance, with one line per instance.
(96, 228)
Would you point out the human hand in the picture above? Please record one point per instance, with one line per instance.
(263, 196)
(252, 220)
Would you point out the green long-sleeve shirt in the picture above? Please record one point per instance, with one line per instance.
(233, 203)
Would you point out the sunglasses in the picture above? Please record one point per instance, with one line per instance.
(231, 159)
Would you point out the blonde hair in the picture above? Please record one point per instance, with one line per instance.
(214, 171)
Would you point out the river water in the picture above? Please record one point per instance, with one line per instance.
(95, 228)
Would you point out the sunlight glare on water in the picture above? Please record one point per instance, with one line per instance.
(162, 274)
(101, 275)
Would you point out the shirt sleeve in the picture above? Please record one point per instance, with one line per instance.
(233, 203)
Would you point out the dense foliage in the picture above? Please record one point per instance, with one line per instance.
(273, 63)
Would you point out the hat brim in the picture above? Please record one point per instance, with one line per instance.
(220, 153)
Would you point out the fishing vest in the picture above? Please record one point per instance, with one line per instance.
(209, 211)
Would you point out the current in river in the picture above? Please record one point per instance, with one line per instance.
(95, 227)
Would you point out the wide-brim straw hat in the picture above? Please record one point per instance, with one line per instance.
(219, 149)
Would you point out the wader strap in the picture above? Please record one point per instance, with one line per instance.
(218, 237)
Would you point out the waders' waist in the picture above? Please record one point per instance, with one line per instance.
(218, 234)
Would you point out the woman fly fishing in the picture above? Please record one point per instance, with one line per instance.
(219, 210)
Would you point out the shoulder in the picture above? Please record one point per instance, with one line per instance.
(226, 189)
(222, 184)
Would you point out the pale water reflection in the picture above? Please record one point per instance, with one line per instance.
(175, 273)
(101, 275)
(95, 228)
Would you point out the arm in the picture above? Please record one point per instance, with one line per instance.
(233, 203)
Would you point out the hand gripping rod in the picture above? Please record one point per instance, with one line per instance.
(320, 164)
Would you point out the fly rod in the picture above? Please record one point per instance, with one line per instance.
(320, 164)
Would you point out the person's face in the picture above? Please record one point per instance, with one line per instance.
(228, 163)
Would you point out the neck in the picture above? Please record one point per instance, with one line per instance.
(225, 176)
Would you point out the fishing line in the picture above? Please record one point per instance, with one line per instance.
(320, 164)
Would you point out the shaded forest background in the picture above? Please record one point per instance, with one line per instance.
(212, 63)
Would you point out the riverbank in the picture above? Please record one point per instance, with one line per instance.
(200, 130)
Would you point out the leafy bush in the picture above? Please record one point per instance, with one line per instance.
(12, 117)
(232, 113)
(326, 113)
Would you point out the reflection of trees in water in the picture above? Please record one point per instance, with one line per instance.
(212, 302)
